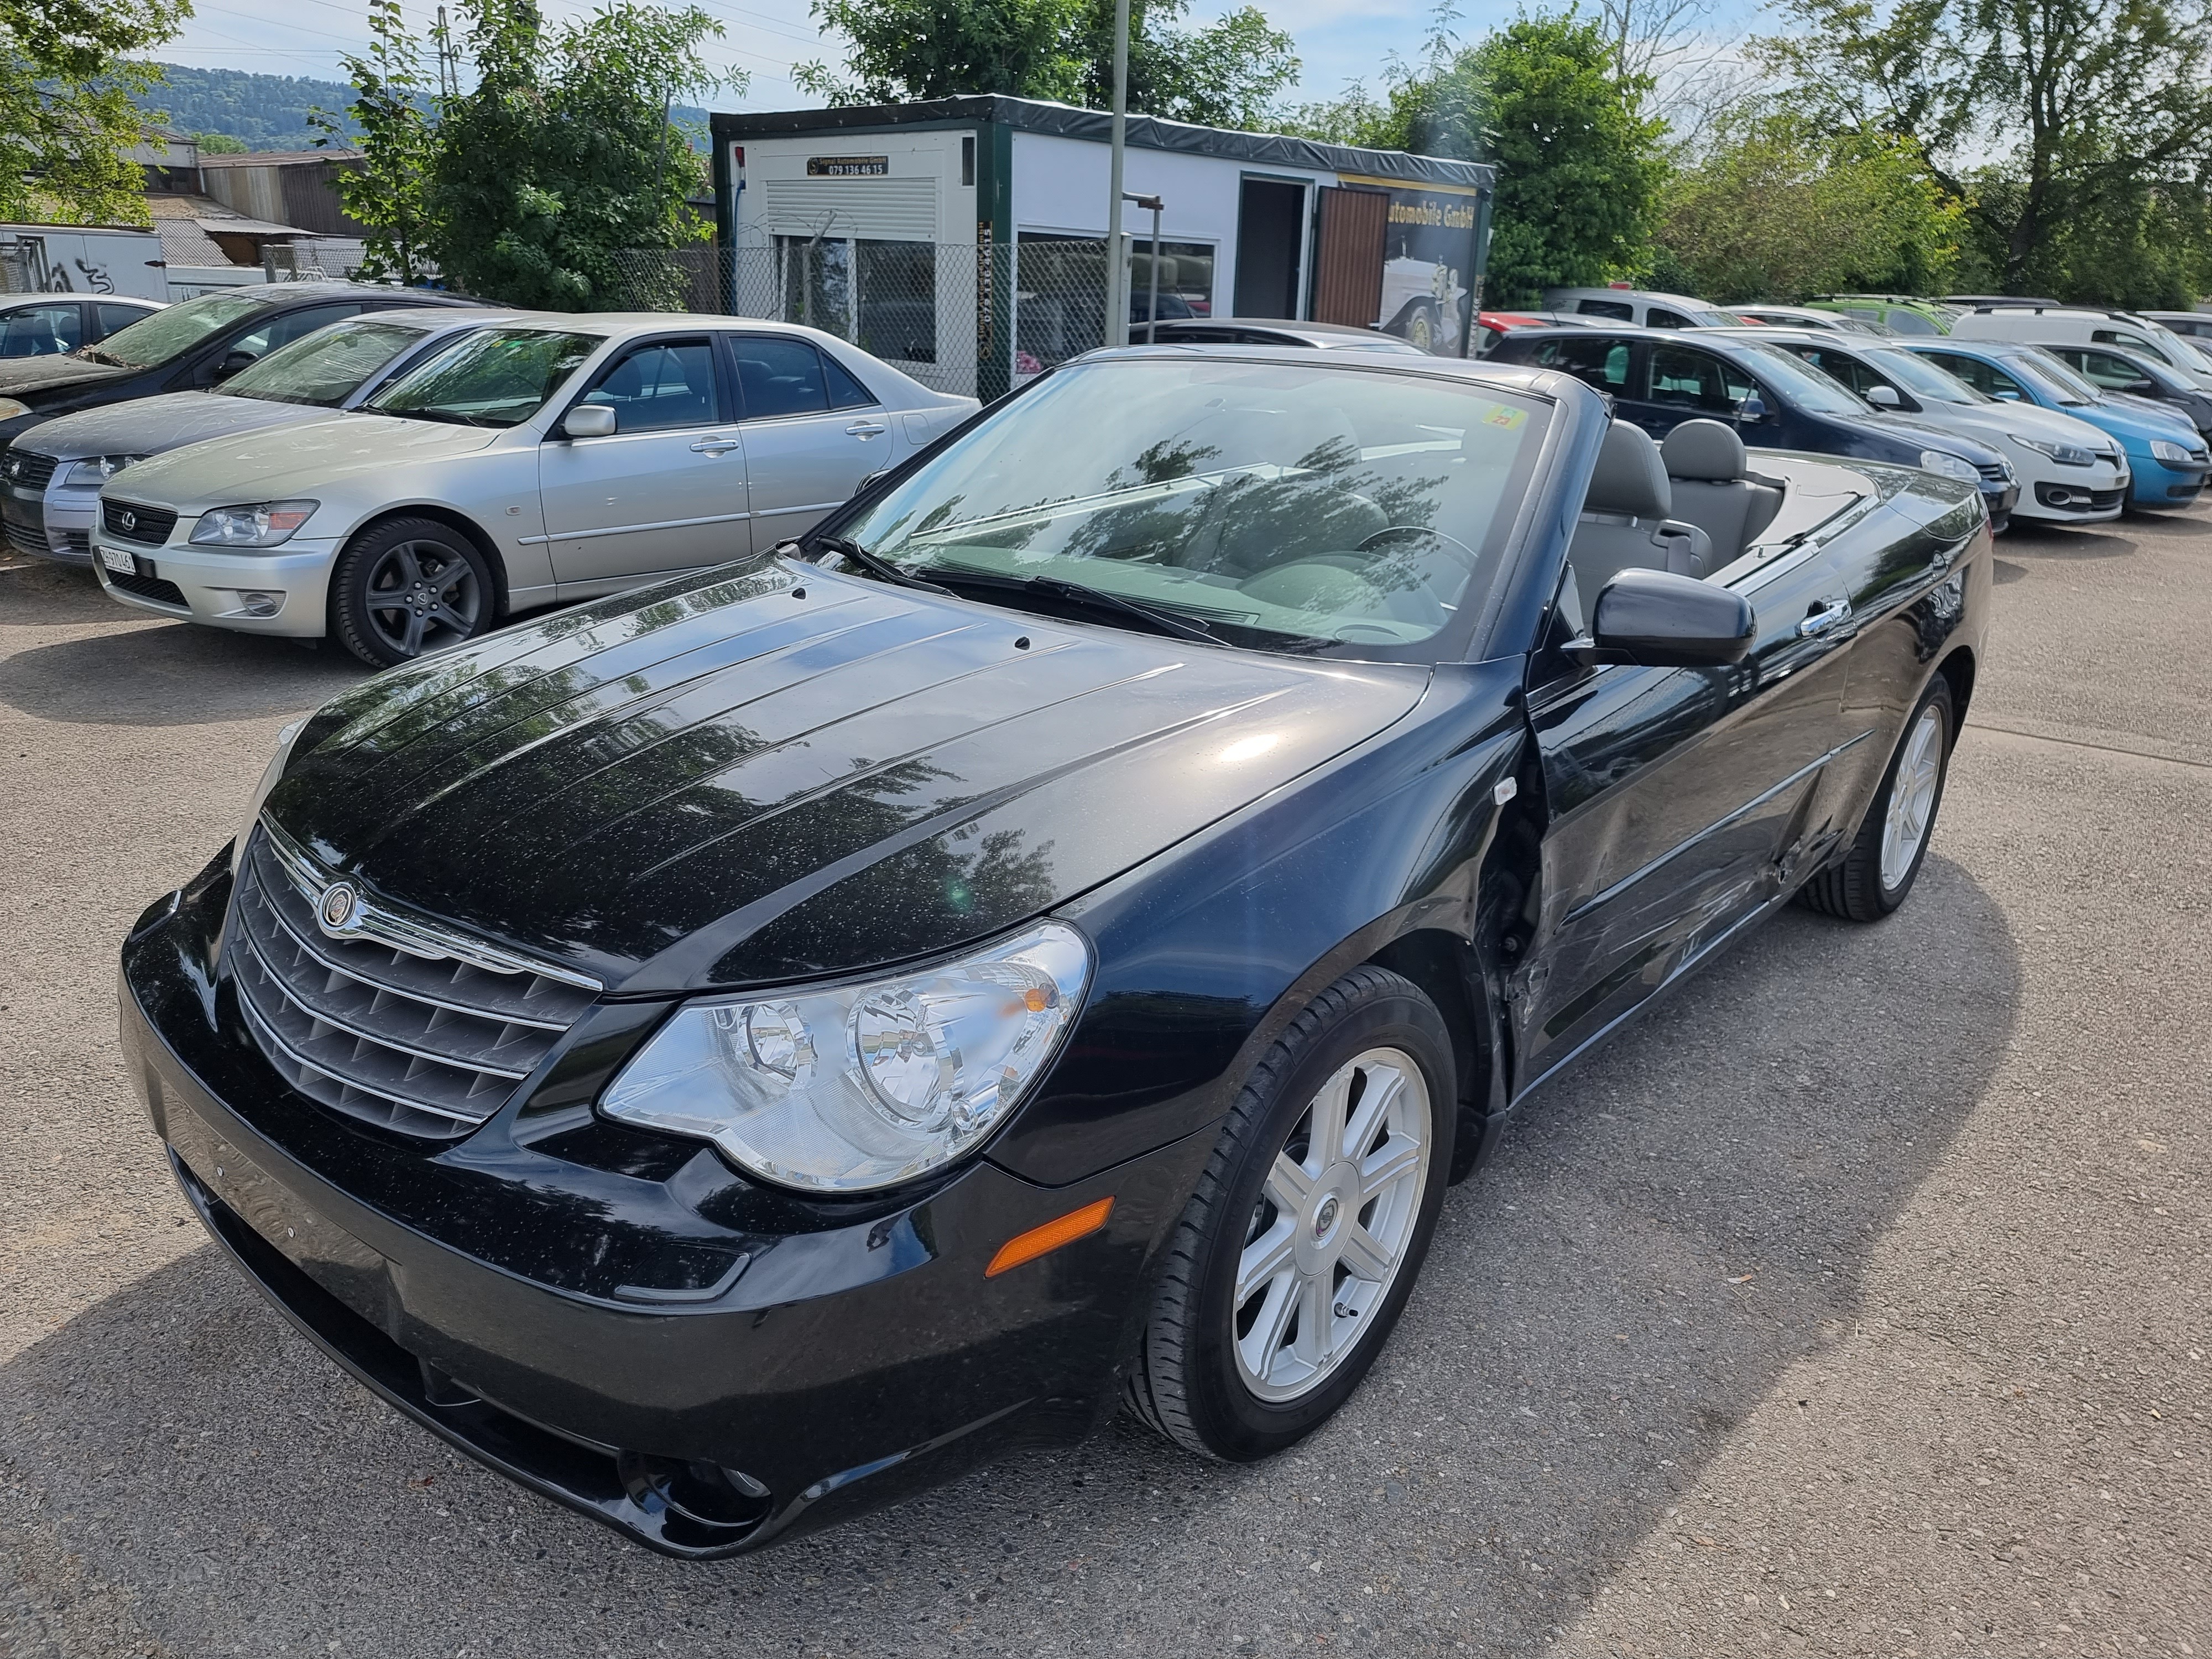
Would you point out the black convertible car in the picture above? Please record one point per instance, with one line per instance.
(727, 1055)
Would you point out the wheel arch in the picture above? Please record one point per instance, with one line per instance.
(1958, 669)
(1444, 967)
(453, 519)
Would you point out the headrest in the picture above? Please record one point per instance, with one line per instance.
(1708, 450)
(1629, 478)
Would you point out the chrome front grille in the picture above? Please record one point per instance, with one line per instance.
(396, 1021)
(28, 470)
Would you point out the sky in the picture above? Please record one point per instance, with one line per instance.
(1338, 43)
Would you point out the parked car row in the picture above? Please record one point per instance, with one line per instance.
(400, 470)
(2067, 415)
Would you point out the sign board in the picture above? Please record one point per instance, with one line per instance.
(848, 166)
(1428, 264)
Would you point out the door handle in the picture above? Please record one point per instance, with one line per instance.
(1835, 612)
(716, 446)
(866, 428)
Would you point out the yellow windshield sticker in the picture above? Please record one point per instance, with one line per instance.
(1503, 416)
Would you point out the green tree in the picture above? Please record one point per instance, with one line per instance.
(67, 116)
(1579, 168)
(2046, 118)
(561, 155)
(219, 144)
(385, 189)
(1226, 74)
(1778, 208)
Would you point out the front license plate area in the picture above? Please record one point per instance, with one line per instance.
(349, 1269)
(122, 564)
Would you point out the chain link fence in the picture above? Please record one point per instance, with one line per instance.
(974, 320)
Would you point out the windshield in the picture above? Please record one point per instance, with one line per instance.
(2055, 378)
(2184, 354)
(1808, 387)
(323, 369)
(1924, 380)
(1349, 512)
(500, 378)
(173, 330)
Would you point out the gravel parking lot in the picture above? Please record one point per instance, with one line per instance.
(1857, 1301)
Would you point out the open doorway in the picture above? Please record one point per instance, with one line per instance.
(1270, 234)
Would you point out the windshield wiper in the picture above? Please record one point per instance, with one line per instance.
(94, 355)
(1091, 599)
(874, 564)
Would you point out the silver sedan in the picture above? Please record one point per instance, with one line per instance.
(538, 461)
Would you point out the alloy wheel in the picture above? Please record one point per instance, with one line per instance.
(1331, 1230)
(1912, 797)
(421, 594)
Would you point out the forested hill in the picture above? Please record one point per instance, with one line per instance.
(268, 112)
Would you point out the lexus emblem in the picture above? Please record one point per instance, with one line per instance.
(339, 900)
(128, 520)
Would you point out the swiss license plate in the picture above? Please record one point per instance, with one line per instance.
(122, 564)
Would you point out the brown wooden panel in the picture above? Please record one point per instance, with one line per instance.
(1348, 256)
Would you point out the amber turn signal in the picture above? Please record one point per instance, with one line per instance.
(1038, 1241)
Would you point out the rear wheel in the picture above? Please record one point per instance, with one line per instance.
(406, 586)
(1874, 878)
(1296, 1253)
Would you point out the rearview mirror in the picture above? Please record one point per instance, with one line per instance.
(1884, 396)
(589, 421)
(1659, 620)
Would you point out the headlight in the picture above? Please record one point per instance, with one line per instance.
(271, 775)
(861, 1086)
(96, 470)
(2065, 453)
(1951, 466)
(2173, 454)
(265, 524)
(9, 409)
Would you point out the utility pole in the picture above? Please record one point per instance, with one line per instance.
(1117, 305)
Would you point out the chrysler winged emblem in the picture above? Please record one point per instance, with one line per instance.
(336, 911)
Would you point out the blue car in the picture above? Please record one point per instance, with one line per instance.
(1775, 399)
(2165, 451)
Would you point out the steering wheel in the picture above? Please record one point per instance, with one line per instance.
(1469, 556)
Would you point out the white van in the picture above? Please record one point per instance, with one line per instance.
(2047, 325)
(1630, 305)
(81, 260)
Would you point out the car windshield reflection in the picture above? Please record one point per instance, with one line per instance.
(1282, 507)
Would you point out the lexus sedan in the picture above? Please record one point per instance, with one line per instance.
(50, 482)
(730, 1055)
(526, 465)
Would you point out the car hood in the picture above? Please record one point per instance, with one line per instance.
(304, 455)
(769, 772)
(1918, 429)
(2151, 409)
(1995, 421)
(21, 376)
(153, 426)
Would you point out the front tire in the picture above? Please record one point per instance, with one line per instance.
(406, 586)
(1296, 1254)
(1875, 877)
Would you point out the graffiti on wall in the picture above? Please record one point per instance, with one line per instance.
(42, 274)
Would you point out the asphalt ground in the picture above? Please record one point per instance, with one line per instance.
(1856, 1301)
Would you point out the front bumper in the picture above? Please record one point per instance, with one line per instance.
(1999, 500)
(225, 590)
(2157, 484)
(2073, 495)
(850, 1356)
(53, 522)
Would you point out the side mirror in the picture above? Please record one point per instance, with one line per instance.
(232, 363)
(1658, 620)
(1884, 396)
(2142, 388)
(2007, 396)
(588, 421)
(1752, 409)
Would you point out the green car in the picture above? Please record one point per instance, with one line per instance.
(1900, 313)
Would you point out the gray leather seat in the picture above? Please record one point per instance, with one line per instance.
(1628, 516)
(1705, 461)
